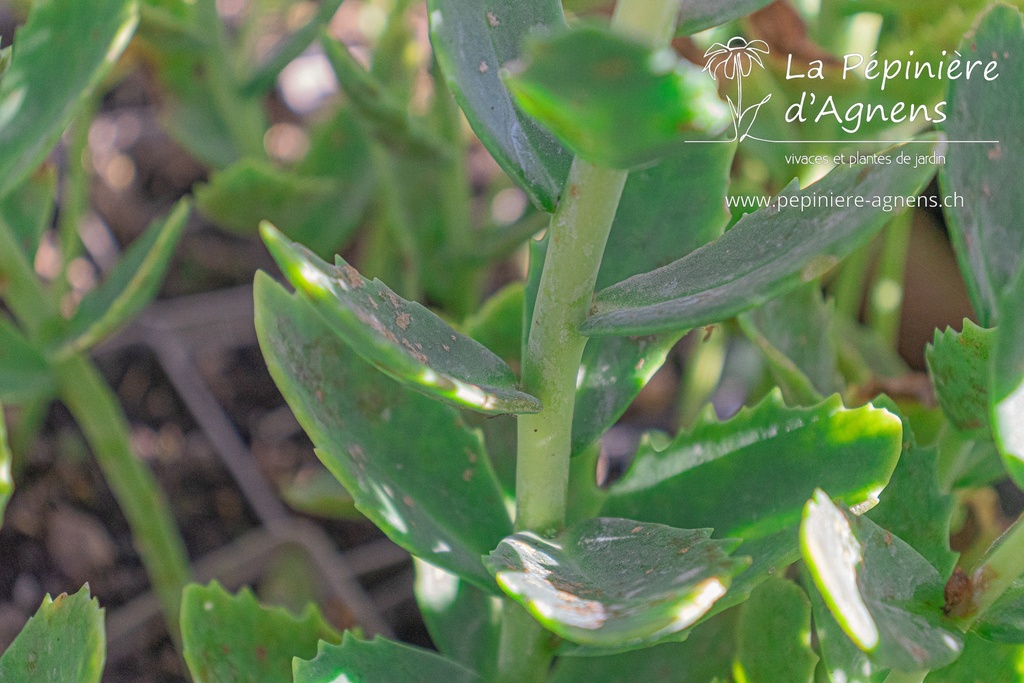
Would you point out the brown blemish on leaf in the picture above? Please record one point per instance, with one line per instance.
(403, 320)
(995, 153)
(352, 276)
(261, 654)
(484, 68)
(467, 474)
(636, 529)
(957, 591)
(409, 502)
(492, 20)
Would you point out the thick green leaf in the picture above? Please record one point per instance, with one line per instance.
(498, 324)
(63, 641)
(320, 212)
(912, 506)
(60, 56)
(320, 495)
(28, 211)
(378, 660)
(233, 639)
(705, 656)
(750, 476)
(401, 338)
(698, 15)
(131, 285)
(473, 42)
(6, 482)
(795, 334)
(409, 462)
(614, 101)
(1007, 381)
(886, 597)
(463, 621)
(842, 659)
(986, 229)
(958, 366)
(982, 662)
(1003, 622)
(612, 582)
(766, 254)
(385, 117)
(774, 635)
(24, 371)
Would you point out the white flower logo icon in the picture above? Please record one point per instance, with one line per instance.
(735, 60)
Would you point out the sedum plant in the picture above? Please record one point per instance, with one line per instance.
(805, 538)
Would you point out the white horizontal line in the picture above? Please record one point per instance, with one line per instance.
(846, 142)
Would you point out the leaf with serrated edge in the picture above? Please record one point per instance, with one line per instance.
(74, 624)
(410, 463)
(401, 338)
(773, 636)
(751, 475)
(986, 230)
(795, 334)
(234, 638)
(614, 101)
(886, 597)
(958, 367)
(766, 254)
(369, 661)
(61, 54)
(464, 622)
(132, 284)
(1006, 377)
(612, 582)
(473, 41)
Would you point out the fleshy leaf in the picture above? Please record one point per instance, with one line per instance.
(1003, 622)
(613, 582)
(986, 229)
(132, 284)
(614, 101)
(473, 41)
(774, 635)
(706, 655)
(912, 506)
(463, 621)
(751, 475)
(698, 15)
(842, 659)
(795, 334)
(233, 639)
(401, 338)
(766, 254)
(321, 495)
(61, 54)
(320, 212)
(63, 641)
(958, 366)
(1007, 381)
(379, 659)
(885, 596)
(409, 462)
(24, 371)
(982, 661)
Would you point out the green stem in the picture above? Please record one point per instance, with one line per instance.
(578, 234)
(579, 230)
(156, 537)
(394, 221)
(76, 193)
(886, 301)
(897, 676)
(848, 287)
(998, 570)
(526, 650)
